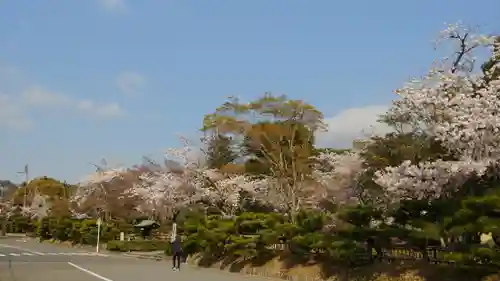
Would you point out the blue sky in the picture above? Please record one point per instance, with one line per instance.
(82, 80)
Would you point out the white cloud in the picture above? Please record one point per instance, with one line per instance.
(38, 96)
(85, 105)
(42, 98)
(113, 5)
(12, 116)
(19, 99)
(130, 83)
(352, 124)
(15, 110)
(106, 110)
(110, 110)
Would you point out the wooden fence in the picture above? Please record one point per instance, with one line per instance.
(434, 255)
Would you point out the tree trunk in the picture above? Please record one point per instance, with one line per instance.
(4, 228)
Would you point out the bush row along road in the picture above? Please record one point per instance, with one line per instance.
(31, 261)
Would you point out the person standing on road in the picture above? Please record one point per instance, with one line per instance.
(177, 253)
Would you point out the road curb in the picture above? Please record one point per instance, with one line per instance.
(16, 234)
(145, 257)
(251, 272)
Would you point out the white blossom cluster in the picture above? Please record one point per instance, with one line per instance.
(167, 190)
(39, 207)
(339, 174)
(453, 110)
(162, 193)
(188, 156)
(7, 209)
(103, 176)
(226, 191)
(463, 39)
(427, 179)
(460, 110)
(94, 186)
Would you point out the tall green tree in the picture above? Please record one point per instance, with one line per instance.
(277, 134)
(274, 132)
(285, 140)
(220, 152)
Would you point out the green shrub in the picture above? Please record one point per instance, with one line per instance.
(139, 245)
(88, 232)
(242, 246)
(347, 252)
(20, 224)
(195, 244)
(75, 234)
(43, 229)
(61, 229)
(313, 242)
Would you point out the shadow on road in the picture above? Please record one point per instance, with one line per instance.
(57, 271)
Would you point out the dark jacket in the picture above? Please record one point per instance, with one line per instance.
(177, 245)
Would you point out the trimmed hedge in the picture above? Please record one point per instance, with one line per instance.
(66, 229)
(18, 224)
(139, 245)
(76, 231)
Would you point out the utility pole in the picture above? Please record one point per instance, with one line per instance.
(2, 219)
(26, 178)
(99, 222)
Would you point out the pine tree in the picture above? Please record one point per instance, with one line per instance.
(220, 152)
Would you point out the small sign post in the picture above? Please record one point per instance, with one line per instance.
(98, 234)
(174, 232)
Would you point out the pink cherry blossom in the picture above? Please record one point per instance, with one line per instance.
(163, 193)
(456, 107)
(95, 186)
(339, 174)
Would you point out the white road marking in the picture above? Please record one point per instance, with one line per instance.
(19, 248)
(89, 272)
(40, 262)
(53, 254)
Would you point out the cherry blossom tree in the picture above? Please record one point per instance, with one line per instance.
(94, 190)
(455, 106)
(339, 174)
(276, 135)
(39, 207)
(163, 193)
(427, 180)
(185, 180)
(188, 163)
(224, 191)
(218, 189)
(7, 208)
(189, 156)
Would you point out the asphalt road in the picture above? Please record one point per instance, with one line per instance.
(31, 261)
